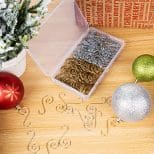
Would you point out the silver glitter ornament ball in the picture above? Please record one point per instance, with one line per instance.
(131, 102)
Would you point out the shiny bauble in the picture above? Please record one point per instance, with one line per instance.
(143, 68)
(131, 102)
(11, 90)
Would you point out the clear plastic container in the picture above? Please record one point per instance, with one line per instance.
(61, 32)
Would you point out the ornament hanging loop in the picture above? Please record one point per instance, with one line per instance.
(18, 107)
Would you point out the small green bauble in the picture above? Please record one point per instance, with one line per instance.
(143, 68)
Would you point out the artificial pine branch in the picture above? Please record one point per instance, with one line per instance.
(23, 11)
(18, 24)
(34, 7)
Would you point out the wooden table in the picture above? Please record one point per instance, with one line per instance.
(56, 121)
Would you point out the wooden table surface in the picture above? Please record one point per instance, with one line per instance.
(56, 121)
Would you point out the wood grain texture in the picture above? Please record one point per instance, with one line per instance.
(58, 122)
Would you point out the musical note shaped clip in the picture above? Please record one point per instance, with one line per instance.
(32, 146)
(45, 100)
(26, 112)
(63, 141)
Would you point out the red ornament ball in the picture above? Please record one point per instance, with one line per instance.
(11, 90)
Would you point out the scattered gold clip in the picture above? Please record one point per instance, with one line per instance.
(32, 146)
(61, 142)
(45, 100)
(26, 112)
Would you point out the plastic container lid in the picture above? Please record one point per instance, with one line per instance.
(59, 32)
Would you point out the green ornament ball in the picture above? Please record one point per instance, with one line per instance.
(143, 68)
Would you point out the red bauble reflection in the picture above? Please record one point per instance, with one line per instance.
(11, 90)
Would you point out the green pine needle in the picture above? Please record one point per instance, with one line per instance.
(34, 7)
(23, 13)
(23, 27)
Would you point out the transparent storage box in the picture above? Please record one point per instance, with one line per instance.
(60, 40)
